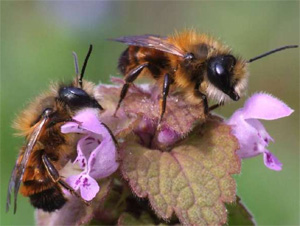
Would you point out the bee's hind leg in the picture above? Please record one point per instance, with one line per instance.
(130, 77)
(56, 178)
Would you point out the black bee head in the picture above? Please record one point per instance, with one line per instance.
(220, 73)
(77, 98)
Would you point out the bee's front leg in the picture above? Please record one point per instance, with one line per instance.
(213, 107)
(56, 178)
(197, 93)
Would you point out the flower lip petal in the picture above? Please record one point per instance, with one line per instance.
(271, 161)
(265, 106)
(74, 181)
(89, 188)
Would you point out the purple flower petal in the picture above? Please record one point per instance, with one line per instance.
(250, 143)
(271, 161)
(85, 147)
(88, 188)
(74, 181)
(102, 161)
(261, 131)
(168, 136)
(71, 127)
(90, 121)
(265, 106)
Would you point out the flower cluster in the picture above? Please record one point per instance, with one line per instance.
(183, 166)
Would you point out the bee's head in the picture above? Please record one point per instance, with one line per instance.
(225, 73)
(76, 98)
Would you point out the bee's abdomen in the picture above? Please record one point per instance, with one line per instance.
(134, 56)
(124, 61)
(48, 200)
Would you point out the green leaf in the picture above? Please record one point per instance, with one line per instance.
(129, 219)
(238, 214)
(193, 179)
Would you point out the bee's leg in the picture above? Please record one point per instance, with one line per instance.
(211, 108)
(111, 134)
(197, 93)
(130, 77)
(163, 99)
(56, 178)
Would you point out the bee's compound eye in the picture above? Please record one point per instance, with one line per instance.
(77, 98)
(219, 69)
(74, 97)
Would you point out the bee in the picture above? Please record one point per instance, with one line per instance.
(197, 64)
(47, 149)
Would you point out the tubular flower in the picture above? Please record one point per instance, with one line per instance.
(96, 152)
(253, 137)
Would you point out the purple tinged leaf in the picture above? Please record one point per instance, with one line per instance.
(145, 100)
(193, 179)
(123, 124)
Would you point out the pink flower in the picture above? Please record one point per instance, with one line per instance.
(96, 152)
(253, 137)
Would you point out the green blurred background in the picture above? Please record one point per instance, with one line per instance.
(37, 39)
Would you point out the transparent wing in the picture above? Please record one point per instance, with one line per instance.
(151, 41)
(19, 169)
(11, 185)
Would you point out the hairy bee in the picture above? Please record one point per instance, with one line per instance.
(197, 64)
(47, 150)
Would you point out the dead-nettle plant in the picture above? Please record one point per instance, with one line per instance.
(179, 173)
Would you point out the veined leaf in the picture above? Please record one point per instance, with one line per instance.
(193, 179)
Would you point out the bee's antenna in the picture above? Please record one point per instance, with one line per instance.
(84, 65)
(76, 66)
(271, 52)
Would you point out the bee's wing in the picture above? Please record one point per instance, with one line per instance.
(11, 185)
(19, 169)
(151, 41)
